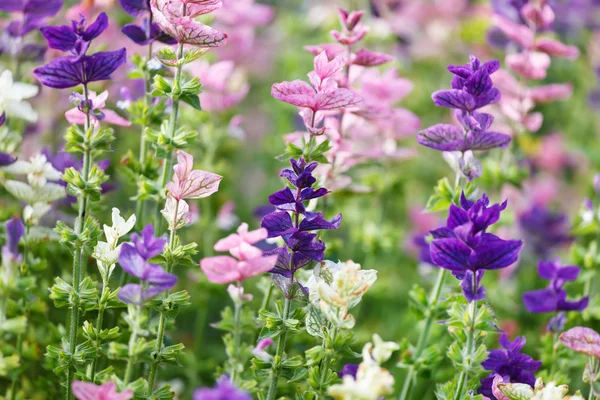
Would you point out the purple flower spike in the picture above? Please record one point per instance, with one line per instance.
(554, 297)
(146, 244)
(464, 247)
(77, 37)
(510, 363)
(224, 390)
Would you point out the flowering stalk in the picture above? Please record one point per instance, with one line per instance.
(468, 352)
(281, 340)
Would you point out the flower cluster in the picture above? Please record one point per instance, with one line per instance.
(337, 287)
(531, 62)
(148, 31)
(554, 297)
(465, 247)
(294, 223)
(472, 89)
(368, 381)
(510, 364)
(134, 259)
(78, 68)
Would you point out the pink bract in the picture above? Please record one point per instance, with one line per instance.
(107, 391)
(582, 340)
(226, 269)
(75, 116)
(191, 184)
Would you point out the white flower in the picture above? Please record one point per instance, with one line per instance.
(106, 253)
(37, 169)
(183, 216)
(12, 95)
(337, 287)
(33, 213)
(120, 227)
(550, 391)
(371, 382)
(521, 391)
(382, 351)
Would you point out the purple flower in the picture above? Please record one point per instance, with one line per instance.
(544, 230)
(14, 232)
(70, 71)
(224, 390)
(465, 248)
(349, 369)
(472, 88)
(293, 222)
(6, 159)
(554, 297)
(147, 245)
(76, 38)
(148, 31)
(156, 278)
(510, 363)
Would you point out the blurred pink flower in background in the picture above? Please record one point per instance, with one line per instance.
(223, 85)
(75, 116)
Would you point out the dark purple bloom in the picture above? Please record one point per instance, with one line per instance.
(544, 230)
(464, 247)
(14, 232)
(6, 159)
(66, 72)
(76, 38)
(510, 363)
(147, 245)
(154, 275)
(554, 297)
(472, 88)
(292, 222)
(557, 323)
(148, 31)
(135, 7)
(224, 390)
(420, 241)
(350, 370)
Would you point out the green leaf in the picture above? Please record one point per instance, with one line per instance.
(191, 99)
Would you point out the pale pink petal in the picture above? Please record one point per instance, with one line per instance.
(201, 184)
(254, 236)
(331, 49)
(553, 92)
(75, 116)
(337, 98)
(257, 266)
(538, 15)
(531, 64)
(245, 251)
(100, 100)
(228, 243)
(298, 93)
(556, 48)
(242, 229)
(368, 58)
(86, 390)
(111, 117)
(325, 68)
(195, 8)
(583, 340)
(185, 164)
(497, 393)
(533, 121)
(192, 32)
(521, 34)
(220, 269)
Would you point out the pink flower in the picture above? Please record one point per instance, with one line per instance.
(107, 391)
(582, 340)
(552, 92)
(75, 116)
(244, 12)
(530, 64)
(354, 31)
(521, 34)
(250, 262)
(176, 17)
(497, 393)
(191, 184)
(325, 95)
(556, 48)
(242, 236)
(223, 86)
(540, 15)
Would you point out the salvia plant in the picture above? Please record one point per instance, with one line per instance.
(159, 243)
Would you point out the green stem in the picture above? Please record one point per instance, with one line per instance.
(99, 321)
(131, 357)
(424, 336)
(163, 319)
(594, 371)
(172, 128)
(470, 344)
(78, 252)
(237, 341)
(267, 298)
(141, 204)
(324, 368)
(279, 354)
(15, 381)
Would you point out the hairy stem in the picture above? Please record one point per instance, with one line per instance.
(469, 347)
(279, 354)
(237, 341)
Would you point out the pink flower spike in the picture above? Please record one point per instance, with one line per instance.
(521, 34)
(191, 184)
(298, 93)
(582, 340)
(539, 15)
(325, 68)
(350, 19)
(331, 49)
(552, 92)
(75, 116)
(225, 269)
(242, 236)
(556, 48)
(107, 391)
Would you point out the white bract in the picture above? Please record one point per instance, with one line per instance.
(183, 216)
(337, 287)
(33, 213)
(521, 391)
(371, 382)
(107, 253)
(37, 169)
(13, 95)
